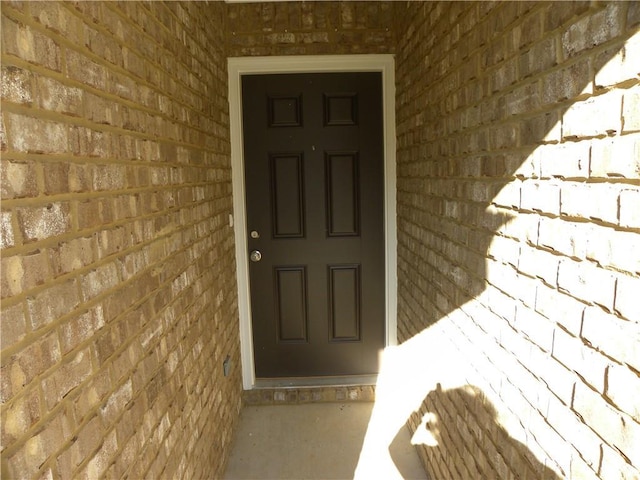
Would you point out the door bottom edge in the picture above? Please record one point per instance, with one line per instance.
(343, 389)
(320, 381)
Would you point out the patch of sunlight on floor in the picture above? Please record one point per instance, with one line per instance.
(309, 441)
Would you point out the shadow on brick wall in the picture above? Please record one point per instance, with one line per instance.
(457, 210)
(453, 438)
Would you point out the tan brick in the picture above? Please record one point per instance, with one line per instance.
(592, 30)
(542, 56)
(86, 142)
(615, 428)
(53, 303)
(578, 357)
(562, 309)
(567, 160)
(18, 180)
(67, 377)
(24, 366)
(616, 64)
(626, 303)
(11, 276)
(587, 282)
(630, 109)
(81, 328)
(535, 326)
(58, 97)
(610, 247)
(541, 197)
(99, 280)
(93, 213)
(13, 325)
(566, 83)
(6, 230)
(616, 157)
(576, 201)
(24, 42)
(102, 459)
(20, 415)
(16, 84)
(79, 178)
(615, 465)
(539, 263)
(580, 469)
(34, 135)
(38, 223)
(615, 337)
(563, 237)
(108, 177)
(83, 69)
(161, 88)
(623, 389)
(629, 212)
(36, 268)
(72, 255)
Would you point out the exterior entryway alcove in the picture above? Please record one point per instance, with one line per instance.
(238, 67)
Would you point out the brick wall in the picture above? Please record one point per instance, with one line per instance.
(518, 183)
(519, 232)
(118, 275)
(309, 28)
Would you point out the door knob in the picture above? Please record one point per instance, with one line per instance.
(255, 256)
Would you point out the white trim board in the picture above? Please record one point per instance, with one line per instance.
(239, 66)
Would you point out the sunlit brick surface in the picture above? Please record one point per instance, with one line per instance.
(118, 275)
(518, 184)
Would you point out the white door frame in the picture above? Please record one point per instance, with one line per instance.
(239, 66)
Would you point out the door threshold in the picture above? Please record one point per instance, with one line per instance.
(333, 381)
(296, 391)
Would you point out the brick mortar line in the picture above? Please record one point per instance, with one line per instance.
(113, 97)
(86, 307)
(531, 276)
(61, 40)
(64, 79)
(77, 390)
(81, 121)
(154, 18)
(562, 105)
(140, 394)
(210, 400)
(489, 359)
(558, 181)
(49, 158)
(433, 301)
(546, 34)
(74, 234)
(112, 258)
(42, 200)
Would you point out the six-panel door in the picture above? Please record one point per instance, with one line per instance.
(314, 178)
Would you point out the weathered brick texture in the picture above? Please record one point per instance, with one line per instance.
(518, 228)
(118, 275)
(518, 201)
(309, 28)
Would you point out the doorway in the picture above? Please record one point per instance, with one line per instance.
(346, 274)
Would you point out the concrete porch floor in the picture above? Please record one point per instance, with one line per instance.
(309, 441)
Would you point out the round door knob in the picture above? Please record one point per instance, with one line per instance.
(255, 256)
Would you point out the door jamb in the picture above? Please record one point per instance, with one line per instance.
(238, 66)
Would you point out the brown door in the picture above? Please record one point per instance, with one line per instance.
(313, 153)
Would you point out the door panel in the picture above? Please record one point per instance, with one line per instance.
(287, 195)
(344, 299)
(314, 194)
(343, 198)
(291, 303)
